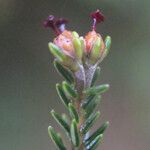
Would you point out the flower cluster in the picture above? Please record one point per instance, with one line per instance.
(71, 49)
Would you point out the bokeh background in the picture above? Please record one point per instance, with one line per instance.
(27, 76)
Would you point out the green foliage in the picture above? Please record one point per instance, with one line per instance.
(98, 132)
(63, 71)
(97, 89)
(69, 90)
(74, 133)
(94, 143)
(96, 75)
(61, 121)
(56, 51)
(56, 138)
(81, 102)
(89, 122)
(62, 95)
(73, 112)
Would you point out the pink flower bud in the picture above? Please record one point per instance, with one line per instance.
(65, 42)
(90, 40)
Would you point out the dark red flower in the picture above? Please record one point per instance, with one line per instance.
(57, 25)
(97, 17)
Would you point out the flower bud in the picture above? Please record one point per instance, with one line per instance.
(90, 39)
(65, 42)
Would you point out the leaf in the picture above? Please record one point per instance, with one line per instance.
(56, 51)
(96, 75)
(89, 122)
(56, 138)
(62, 95)
(93, 144)
(92, 105)
(65, 118)
(89, 101)
(98, 132)
(73, 112)
(107, 43)
(69, 90)
(64, 72)
(97, 89)
(74, 134)
(61, 121)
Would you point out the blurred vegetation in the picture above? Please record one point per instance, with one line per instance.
(27, 89)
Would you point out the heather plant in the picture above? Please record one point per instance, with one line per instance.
(77, 60)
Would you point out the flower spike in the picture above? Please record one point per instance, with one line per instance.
(97, 17)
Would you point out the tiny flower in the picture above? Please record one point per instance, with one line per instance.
(57, 25)
(97, 17)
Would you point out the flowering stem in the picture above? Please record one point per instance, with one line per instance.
(77, 59)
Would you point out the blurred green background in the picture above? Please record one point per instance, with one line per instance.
(27, 76)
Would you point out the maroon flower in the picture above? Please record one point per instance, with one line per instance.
(97, 17)
(57, 25)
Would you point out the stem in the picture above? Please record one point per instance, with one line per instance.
(83, 79)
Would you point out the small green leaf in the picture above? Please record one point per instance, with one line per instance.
(98, 132)
(107, 43)
(64, 72)
(89, 109)
(66, 118)
(74, 134)
(56, 51)
(69, 90)
(61, 121)
(62, 95)
(97, 89)
(94, 143)
(73, 112)
(96, 75)
(87, 101)
(56, 138)
(89, 122)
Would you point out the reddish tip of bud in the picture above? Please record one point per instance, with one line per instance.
(97, 17)
(58, 26)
